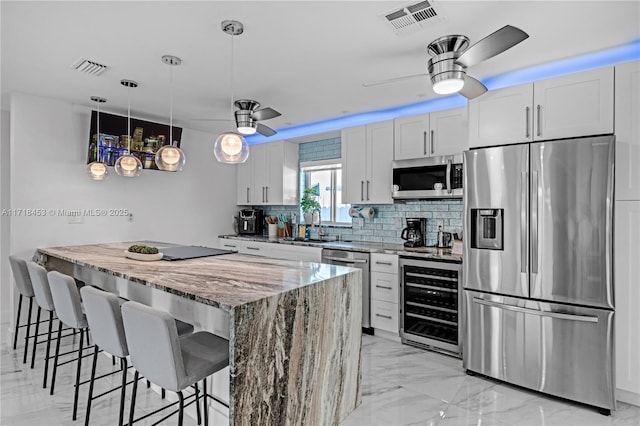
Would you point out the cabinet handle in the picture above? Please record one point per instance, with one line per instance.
(253, 248)
(424, 142)
(526, 127)
(539, 119)
(229, 245)
(266, 194)
(385, 287)
(383, 263)
(263, 194)
(367, 190)
(247, 194)
(432, 141)
(361, 190)
(383, 316)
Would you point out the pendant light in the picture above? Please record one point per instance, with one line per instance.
(169, 157)
(97, 170)
(231, 147)
(128, 165)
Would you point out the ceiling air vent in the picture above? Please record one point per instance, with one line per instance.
(412, 17)
(89, 67)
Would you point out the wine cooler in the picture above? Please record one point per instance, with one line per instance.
(430, 305)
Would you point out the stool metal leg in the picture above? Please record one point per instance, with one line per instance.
(133, 396)
(35, 338)
(46, 357)
(91, 380)
(198, 404)
(15, 335)
(205, 407)
(181, 409)
(79, 366)
(26, 339)
(124, 366)
(55, 360)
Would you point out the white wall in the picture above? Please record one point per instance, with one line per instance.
(5, 295)
(49, 145)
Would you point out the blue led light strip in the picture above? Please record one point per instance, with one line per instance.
(624, 53)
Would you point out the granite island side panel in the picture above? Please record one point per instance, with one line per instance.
(295, 333)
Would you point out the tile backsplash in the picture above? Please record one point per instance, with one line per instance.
(388, 220)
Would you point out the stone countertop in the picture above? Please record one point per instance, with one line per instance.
(224, 281)
(430, 253)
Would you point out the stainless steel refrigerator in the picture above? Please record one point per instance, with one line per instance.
(537, 277)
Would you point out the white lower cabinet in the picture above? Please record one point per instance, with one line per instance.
(292, 252)
(627, 297)
(384, 292)
(227, 244)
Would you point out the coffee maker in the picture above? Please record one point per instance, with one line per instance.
(250, 221)
(415, 232)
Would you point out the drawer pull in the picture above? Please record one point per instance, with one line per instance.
(385, 287)
(253, 248)
(229, 245)
(383, 263)
(383, 316)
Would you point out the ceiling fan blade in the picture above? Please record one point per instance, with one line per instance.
(393, 80)
(210, 119)
(472, 88)
(492, 45)
(265, 131)
(265, 114)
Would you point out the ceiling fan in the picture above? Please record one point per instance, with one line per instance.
(451, 56)
(247, 115)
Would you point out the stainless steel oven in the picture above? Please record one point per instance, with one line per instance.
(430, 304)
(358, 260)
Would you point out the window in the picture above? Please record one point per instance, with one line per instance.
(326, 177)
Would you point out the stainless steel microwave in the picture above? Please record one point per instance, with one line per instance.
(433, 177)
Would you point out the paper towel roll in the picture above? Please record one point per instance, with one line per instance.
(362, 212)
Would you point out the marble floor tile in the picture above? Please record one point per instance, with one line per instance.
(401, 385)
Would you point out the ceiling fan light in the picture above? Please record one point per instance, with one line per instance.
(170, 159)
(97, 170)
(128, 166)
(448, 86)
(231, 148)
(246, 130)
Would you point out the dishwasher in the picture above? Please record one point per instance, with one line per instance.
(360, 260)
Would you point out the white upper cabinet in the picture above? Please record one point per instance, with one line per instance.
(579, 104)
(367, 152)
(426, 135)
(628, 131)
(269, 177)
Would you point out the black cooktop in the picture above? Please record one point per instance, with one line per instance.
(191, 252)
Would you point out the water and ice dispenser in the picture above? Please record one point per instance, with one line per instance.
(487, 226)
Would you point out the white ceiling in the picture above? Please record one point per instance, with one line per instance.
(307, 59)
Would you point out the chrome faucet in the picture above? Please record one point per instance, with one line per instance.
(320, 231)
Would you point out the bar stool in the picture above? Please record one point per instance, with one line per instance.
(66, 300)
(107, 330)
(44, 300)
(168, 361)
(23, 284)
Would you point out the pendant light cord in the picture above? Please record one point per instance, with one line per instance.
(232, 56)
(129, 120)
(170, 104)
(98, 139)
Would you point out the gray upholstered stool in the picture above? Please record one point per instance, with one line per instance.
(66, 299)
(168, 361)
(107, 329)
(44, 300)
(23, 284)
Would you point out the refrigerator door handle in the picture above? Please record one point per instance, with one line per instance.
(523, 222)
(558, 315)
(534, 223)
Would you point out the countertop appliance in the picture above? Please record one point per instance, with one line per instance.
(430, 304)
(360, 260)
(444, 238)
(538, 281)
(250, 221)
(423, 178)
(415, 233)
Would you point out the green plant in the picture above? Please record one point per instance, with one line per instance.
(308, 202)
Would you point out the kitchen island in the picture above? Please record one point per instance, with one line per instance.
(293, 327)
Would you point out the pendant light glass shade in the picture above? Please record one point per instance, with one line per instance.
(97, 170)
(128, 165)
(170, 158)
(231, 148)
